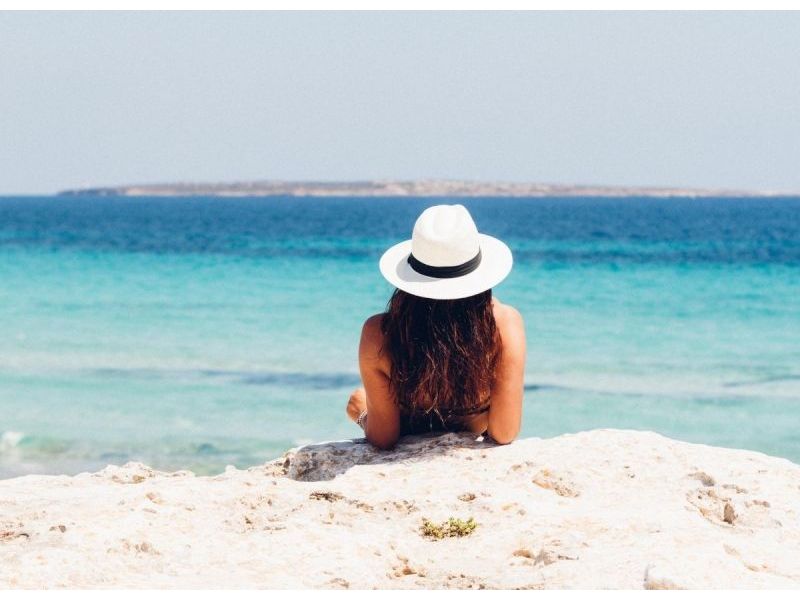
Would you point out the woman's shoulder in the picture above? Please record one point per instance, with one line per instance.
(371, 344)
(511, 328)
(372, 326)
(506, 315)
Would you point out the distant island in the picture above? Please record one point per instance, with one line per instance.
(390, 188)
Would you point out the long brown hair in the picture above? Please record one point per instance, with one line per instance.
(443, 352)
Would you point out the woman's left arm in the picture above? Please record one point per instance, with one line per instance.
(382, 425)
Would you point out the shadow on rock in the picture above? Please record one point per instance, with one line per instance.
(323, 462)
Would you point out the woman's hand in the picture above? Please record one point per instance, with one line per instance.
(357, 403)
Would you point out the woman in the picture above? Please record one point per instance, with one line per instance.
(445, 356)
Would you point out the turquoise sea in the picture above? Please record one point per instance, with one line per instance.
(199, 332)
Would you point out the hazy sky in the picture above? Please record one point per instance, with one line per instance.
(690, 99)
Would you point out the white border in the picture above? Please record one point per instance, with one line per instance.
(402, 5)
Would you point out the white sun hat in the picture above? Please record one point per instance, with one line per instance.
(446, 258)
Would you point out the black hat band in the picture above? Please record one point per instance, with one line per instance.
(445, 272)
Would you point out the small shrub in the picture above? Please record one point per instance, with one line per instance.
(453, 527)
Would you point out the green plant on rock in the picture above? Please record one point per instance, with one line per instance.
(453, 527)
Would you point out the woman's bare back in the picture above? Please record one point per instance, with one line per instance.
(501, 420)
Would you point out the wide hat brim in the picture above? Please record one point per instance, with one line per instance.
(496, 262)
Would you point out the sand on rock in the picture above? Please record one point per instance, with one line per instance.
(598, 509)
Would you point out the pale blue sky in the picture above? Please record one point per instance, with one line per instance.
(689, 99)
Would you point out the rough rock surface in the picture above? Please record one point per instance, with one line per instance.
(599, 509)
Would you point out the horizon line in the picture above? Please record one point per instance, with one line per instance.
(387, 187)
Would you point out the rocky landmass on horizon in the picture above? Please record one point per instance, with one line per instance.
(597, 509)
(422, 188)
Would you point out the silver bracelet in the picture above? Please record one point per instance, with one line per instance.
(362, 419)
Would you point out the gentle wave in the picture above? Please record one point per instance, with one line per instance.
(622, 385)
(762, 381)
(10, 439)
(782, 386)
(63, 455)
(317, 381)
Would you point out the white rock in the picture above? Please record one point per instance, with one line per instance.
(599, 509)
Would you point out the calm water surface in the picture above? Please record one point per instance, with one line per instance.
(200, 332)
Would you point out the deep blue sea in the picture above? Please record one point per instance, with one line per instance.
(200, 332)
